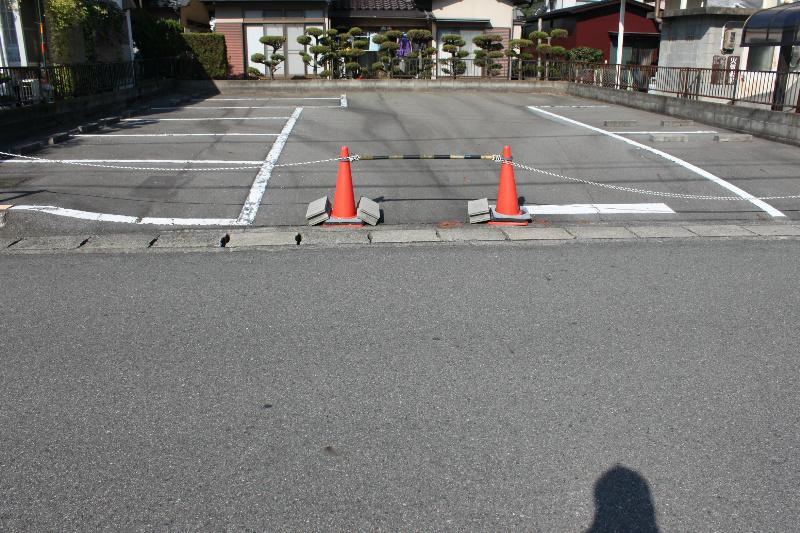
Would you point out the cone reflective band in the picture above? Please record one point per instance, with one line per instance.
(507, 212)
(344, 202)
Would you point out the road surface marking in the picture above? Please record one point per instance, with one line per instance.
(107, 217)
(668, 132)
(273, 98)
(146, 120)
(600, 209)
(136, 161)
(176, 134)
(343, 101)
(685, 164)
(573, 106)
(194, 108)
(253, 202)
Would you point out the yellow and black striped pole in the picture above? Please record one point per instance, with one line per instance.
(360, 157)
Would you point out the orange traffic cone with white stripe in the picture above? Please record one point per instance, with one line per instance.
(508, 212)
(344, 203)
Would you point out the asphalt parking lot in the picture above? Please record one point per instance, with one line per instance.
(217, 162)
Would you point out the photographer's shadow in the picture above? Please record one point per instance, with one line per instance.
(623, 503)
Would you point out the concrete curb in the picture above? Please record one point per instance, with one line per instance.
(303, 86)
(222, 240)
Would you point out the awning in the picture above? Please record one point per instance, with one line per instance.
(776, 26)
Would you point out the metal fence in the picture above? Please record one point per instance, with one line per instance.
(779, 91)
(34, 85)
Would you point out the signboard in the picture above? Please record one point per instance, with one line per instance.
(723, 70)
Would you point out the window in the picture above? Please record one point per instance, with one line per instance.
(314, 13)
(295, 13)
(760, 58)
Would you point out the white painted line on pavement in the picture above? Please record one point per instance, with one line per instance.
(601, 209)
(253, 202)
(657, 132)
(573, 106)
(272, 98)
(685, 164)
(146, 120)
(176, 134)
(164, 161)
(107, 217)
(343, 101)
(195, 108)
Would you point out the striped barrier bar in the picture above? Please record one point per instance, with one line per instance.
(360, 157)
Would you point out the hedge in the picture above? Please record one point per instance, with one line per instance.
(207, 56)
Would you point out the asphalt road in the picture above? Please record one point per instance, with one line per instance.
(588, 386)
(410, 192)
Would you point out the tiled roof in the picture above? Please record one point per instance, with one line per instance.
(382, 5)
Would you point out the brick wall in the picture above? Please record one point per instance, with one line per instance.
(234, 41)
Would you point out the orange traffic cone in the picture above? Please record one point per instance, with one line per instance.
(344, 204)
(507, 212)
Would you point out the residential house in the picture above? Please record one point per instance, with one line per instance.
(244, 22)
(595, 24)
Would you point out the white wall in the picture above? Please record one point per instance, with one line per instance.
(500, 13)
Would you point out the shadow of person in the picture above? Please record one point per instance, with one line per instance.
(623, 503)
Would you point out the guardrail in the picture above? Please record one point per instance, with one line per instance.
(35, 85)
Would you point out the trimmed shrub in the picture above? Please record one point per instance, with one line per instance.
(207, 55)
(156, 38)
(585, 54)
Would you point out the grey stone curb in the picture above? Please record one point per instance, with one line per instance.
(223, 240)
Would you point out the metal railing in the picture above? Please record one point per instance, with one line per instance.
(779, 91)
(35, 85)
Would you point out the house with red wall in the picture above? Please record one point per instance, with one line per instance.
(596, 25)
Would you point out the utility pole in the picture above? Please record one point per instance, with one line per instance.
(620, 40)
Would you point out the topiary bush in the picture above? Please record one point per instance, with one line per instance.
(156, 38)
(207, 56)
(585, 54)
(455, 64)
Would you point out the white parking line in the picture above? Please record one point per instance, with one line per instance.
(195, 108)
(669, 132)
(685, 164)
(273, 98)
(176, 134)
(343, 101)
(601, 209)
(107, 217)
(142, 161)
(253, 202)
(146, 120)
(573, 106)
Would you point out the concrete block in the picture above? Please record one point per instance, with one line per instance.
(88, 128)
(318, 211)
(28, 148)
(668, 137)
(48, 243)
(677, 122)
(774, 230)
(733, 137)
(109, 120)
(404, 236)
(124, 241)
(619, 123)
(255, 238)
(720, 230)
(478, 233)
(334, 236)
(58, 137)
(660, 232)
(478, 211)
(601, 232)
(368, 210)
(536, 234)
(190, 239)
